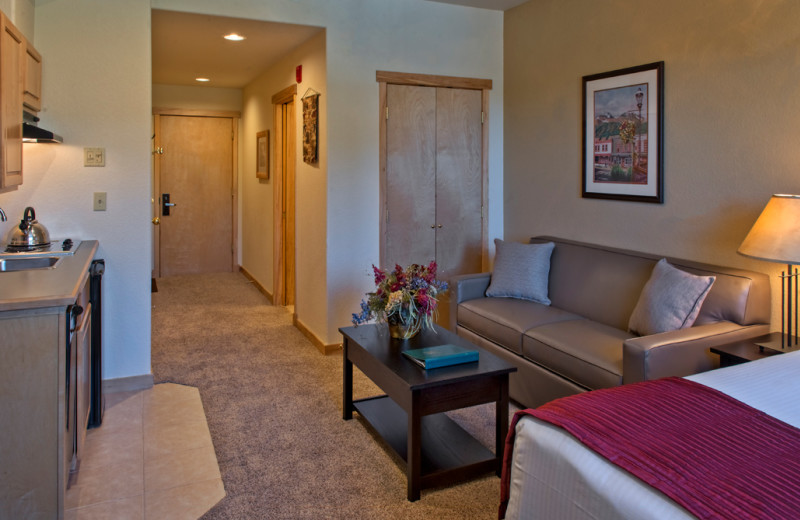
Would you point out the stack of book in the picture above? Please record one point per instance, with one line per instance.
(441, 356)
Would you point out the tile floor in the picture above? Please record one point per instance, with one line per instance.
(151, 458)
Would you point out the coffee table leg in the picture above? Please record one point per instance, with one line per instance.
(347, 384)
(414, 450)
(501, 422)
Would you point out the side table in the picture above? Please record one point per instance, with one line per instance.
(745, 350)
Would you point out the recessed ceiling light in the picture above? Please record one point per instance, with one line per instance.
(234, 37)
(202, 80)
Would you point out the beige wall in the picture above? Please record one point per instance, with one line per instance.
(731, 119)
(311, 181)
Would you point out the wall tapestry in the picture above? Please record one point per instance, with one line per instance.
(623, 132)
(310, 126)
(262, 154)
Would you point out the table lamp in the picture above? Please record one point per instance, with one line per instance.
(775, 237)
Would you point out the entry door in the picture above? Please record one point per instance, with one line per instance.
(196, 160)
(434, 178)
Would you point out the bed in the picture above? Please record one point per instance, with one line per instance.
(552, 475)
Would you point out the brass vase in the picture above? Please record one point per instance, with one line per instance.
(406, 330)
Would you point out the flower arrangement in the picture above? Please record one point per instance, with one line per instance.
(404, 298)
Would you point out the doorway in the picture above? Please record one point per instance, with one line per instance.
(283, 105)
(434, 170)
(194, 192)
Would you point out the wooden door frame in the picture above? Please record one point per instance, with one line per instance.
(385, 78)
(234, 116)
(283, 194)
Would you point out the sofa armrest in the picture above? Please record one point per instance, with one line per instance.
(466, 287)
(680, 352)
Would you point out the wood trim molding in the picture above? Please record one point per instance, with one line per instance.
(428, 80)
(485, 173)
(196, 113)
(284, 96)
(263, 290)
(322, 347)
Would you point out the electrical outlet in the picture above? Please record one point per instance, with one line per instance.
(94, 156)
(100, 201)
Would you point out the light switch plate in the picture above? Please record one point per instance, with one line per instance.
(94, 156)
(99, 201)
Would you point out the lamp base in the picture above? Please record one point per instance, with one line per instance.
(780, 342)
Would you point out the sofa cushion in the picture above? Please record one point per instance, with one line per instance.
(670, 300)
(583, 351)
(503, 320)
(521, 271)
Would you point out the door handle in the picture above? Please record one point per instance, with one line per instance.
(166, 204)
(156, 221)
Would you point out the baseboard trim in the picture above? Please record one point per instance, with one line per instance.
(322, 347)
(258, 286)
(128, 384)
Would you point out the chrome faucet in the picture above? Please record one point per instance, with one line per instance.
(2, 215)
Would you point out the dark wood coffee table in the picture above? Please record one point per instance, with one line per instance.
(410, 417)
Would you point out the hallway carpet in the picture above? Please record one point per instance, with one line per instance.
(274, 409)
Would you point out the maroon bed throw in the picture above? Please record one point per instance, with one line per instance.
(715, 456)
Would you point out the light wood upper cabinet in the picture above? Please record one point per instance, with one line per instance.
(32, 91)
(12, 52)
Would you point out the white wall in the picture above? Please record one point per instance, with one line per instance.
(197, 98)
(21, 14)
(96, 92)
(311, 181)
(731, 113)
(361, 38)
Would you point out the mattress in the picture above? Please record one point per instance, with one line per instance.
(555, 477)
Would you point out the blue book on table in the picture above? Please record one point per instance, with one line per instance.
(441, 356)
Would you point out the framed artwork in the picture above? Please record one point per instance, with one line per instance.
(623, 134)
(262, 154)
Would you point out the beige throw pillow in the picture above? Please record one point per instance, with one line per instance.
(521, 271)
(670, 300)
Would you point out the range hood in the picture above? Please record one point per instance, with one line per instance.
(31, 133)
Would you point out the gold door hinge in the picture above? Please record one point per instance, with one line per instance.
(483, 116)
(387, 113)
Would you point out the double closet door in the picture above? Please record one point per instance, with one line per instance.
(434, 182)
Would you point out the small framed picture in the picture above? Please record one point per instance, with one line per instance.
(623, 134)
(262, 154)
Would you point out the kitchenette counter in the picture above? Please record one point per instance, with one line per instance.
(54, 287)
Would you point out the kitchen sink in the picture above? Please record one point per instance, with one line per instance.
(8, 265)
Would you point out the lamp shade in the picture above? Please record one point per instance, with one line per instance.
(775, 236)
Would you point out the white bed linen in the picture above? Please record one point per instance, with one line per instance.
(555, 477)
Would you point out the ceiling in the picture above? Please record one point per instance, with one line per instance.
(497, 5)
(186, 46)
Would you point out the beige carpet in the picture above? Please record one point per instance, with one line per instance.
(274, 408)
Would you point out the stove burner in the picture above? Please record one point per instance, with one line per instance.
(26, 248)
(55, 248)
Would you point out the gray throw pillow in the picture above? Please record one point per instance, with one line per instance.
(521, 271)
(670, 300)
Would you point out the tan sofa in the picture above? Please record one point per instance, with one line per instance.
(580, 342)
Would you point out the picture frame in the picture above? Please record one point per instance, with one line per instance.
(623, 134)
(262, 154)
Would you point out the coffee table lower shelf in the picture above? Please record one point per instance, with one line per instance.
(448, 452)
